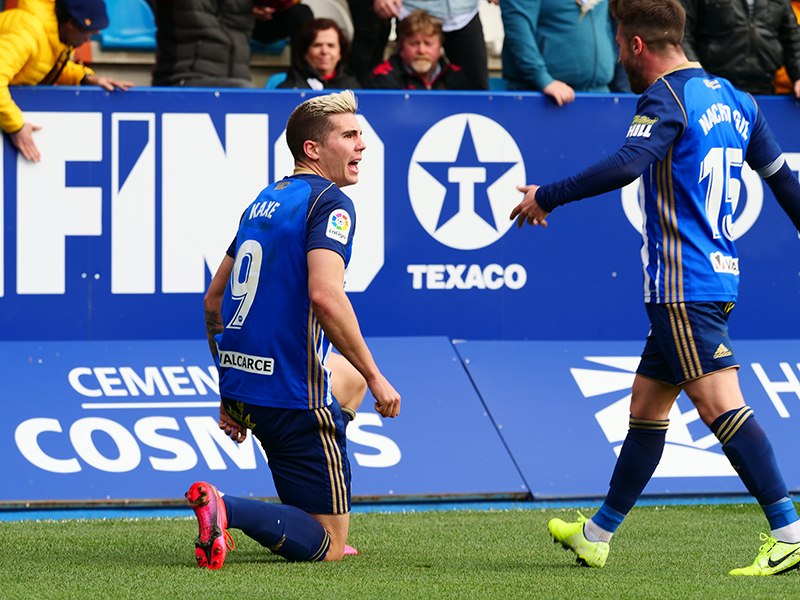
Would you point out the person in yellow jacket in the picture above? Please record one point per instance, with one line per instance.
(37, 42)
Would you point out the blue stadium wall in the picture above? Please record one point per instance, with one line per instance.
(514, 351)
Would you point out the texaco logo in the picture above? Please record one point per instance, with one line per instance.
(462, 181)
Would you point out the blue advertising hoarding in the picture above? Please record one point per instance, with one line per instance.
(115, 234)
(562, 409)
(112, 421)
(108, 245)
(138, 420)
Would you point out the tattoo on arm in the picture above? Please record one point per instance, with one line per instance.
(213, 322)
(213, 327)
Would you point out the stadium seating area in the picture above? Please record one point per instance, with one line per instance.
(126, 48)
(133, 26)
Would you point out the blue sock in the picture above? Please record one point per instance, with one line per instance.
(636, 464)
(781, 513)
(285, 530)
(749, 451)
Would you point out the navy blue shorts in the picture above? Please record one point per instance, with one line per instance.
(307, 452)
(686, 341)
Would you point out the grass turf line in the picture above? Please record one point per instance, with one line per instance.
(662, 553)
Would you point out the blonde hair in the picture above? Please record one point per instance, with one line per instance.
(310, 120)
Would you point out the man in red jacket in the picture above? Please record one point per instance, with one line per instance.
(419, 64)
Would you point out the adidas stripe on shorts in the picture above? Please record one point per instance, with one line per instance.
(686, 341)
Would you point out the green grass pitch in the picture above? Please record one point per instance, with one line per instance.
(662, 553)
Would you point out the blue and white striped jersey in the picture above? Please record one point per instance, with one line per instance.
(273, 351)
(701, 130)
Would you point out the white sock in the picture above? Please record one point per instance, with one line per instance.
(788, 533)
(594, 533)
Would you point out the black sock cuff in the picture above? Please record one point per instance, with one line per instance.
(320, 554)
(726, 425)
(648, 425)
(348, 414)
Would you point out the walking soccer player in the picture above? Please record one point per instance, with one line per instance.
(689, 138)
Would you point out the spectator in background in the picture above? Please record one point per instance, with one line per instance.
(279, 19)
(319, 58)
(419, 64)
(203, 43)
(37, 43)
(463, 38)
(370, 35)
(783, 85)
(744, 42)
(557, 47)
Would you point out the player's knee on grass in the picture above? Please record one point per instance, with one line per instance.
(337, 527)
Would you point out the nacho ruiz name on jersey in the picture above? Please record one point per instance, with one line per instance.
(721, 113)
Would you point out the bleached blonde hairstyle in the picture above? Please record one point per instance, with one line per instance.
(311, 120)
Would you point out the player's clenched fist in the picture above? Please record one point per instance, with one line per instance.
(387, 400)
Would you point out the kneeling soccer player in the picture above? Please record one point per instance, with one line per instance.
(283, 308)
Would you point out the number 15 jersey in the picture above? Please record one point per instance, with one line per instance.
(701, 130)
(273, 351)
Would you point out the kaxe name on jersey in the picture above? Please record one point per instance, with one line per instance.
(264, 209)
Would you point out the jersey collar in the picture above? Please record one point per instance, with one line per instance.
(680, 67)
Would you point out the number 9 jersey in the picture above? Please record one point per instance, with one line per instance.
(701, 130)
(273, 351)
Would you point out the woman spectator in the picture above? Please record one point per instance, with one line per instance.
(319, 58)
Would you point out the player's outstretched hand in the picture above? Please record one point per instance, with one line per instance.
(387, 400)
(528, 210)
(231, 428)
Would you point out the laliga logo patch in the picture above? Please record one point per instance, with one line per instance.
(339, 226)
(462, 181)
(683, 455)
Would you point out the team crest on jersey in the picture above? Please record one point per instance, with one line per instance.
(339, 224)
(641, 126)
